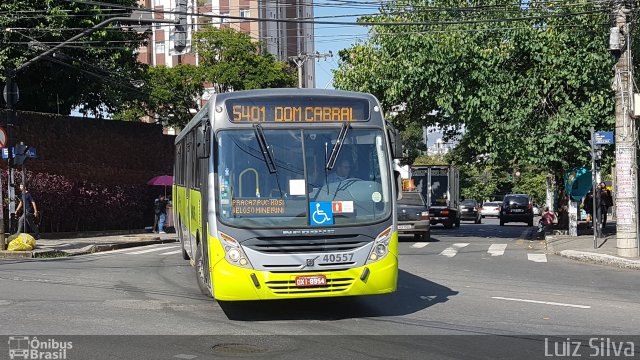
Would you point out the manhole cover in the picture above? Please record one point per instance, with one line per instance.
(237, 348)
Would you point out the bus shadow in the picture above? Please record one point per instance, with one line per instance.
(413, 294)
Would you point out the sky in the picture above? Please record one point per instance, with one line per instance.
(335, 37)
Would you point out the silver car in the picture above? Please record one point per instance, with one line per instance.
(490, 209)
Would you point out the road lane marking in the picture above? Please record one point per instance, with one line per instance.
(151, 250)
(185, 356)
(497, 249)
(453, 250)
(419, 245)
(537, 257)
(172, 252)
(543, 302)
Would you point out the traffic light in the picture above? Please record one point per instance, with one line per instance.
(597, 157)
(20, 154)
(180, 34)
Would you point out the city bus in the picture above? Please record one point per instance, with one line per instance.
(259, 209)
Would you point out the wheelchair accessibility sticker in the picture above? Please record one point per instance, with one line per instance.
(321, 213)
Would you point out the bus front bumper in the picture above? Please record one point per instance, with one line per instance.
(232, 283)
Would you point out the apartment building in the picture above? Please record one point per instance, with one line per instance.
(281, 37)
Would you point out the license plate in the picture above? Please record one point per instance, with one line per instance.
(315, 280)
(517, 210)
(468, 210)
(405, 227)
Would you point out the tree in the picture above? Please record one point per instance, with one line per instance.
(92, 73)
(525, 91)
(167, 94)
(532, 183)
(231, 61)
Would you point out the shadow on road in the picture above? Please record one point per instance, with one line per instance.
(414, 294)
(508, 231)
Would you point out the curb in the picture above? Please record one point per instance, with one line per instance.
(601, 259)
(44, 253)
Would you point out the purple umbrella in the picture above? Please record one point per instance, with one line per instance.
(162, 180)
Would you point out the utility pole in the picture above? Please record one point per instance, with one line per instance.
(300, 59)
(626, 186)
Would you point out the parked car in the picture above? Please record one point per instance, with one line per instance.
(516, 208)
(470, 210)
(413, 216)
(490, 208)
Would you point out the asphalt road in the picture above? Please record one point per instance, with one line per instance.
(474, 280)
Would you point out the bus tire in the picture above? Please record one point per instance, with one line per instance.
(185, 255)
(201, 274)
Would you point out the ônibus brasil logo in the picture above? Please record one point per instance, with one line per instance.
(31, 348)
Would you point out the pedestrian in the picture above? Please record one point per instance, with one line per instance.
(30, 212)
(587, 205)
(548, 217)
(605, 200)
(160, 209)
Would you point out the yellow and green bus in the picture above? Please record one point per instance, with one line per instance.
(288, 193)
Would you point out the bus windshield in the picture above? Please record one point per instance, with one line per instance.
(302, 191)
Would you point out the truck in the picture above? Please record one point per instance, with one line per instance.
(440, 187)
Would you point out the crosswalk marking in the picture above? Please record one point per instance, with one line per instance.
(419, 245)
(151, 250)
(497, 249)
(537, 257)
(103, 253)
(453, 250)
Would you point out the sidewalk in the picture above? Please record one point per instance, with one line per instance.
(581, 247)
(53, 245)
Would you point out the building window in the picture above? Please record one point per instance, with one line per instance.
(160, 47)
(245, 13)
(224, 19)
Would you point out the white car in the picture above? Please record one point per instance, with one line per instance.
(490, 209)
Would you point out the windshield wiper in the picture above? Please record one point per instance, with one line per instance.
(264, 148)
(337, 146)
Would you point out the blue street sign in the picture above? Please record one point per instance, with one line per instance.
(604, 137)
(31, 152)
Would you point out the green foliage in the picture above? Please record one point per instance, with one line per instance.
(479, 182)
(229, 60)
(525, 92)
(168, 94)
(93, 73)
(532, 183)
(232, 62)
(430, 160)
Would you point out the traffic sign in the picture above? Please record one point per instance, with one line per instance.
(13, 91)
(3, 138)
(603, 138)
(31, 152)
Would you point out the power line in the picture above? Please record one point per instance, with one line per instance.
(346, 23)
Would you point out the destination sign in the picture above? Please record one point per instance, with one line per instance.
(297, 110)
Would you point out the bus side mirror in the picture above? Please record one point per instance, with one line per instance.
(203, 141)
(398, 178)
(396, 143)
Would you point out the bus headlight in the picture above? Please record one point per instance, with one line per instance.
(380, 246)
(233, 251)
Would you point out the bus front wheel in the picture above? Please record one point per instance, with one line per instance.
(203, 277)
